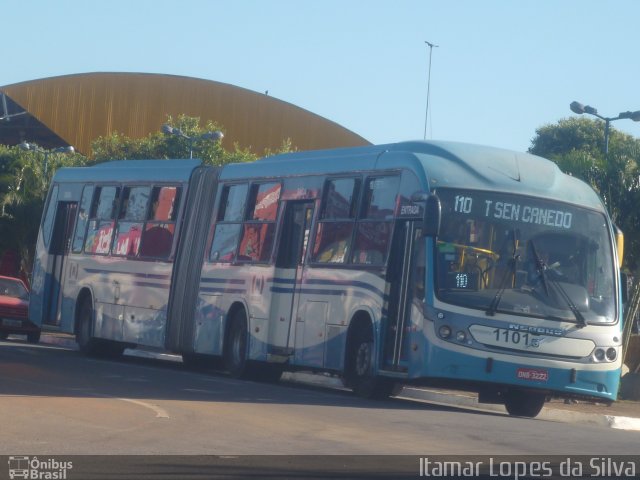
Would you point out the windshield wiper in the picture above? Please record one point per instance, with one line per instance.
(513, 261)
(582, 322)
(541, 268)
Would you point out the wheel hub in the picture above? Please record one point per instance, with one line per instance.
(363, 359)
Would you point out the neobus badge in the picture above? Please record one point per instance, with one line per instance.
(557, 332)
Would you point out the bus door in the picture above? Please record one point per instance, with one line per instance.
(59, 250)
(405, 280)
(290, 257)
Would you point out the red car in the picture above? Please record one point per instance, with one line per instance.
(14, 310)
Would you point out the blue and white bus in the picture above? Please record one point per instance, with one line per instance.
(428, 263)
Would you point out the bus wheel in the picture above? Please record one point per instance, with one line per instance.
(235, 348)
(267, 373)
(84, 335)
(360, 367)
(200, 362)
(520, 403)
(33, 337)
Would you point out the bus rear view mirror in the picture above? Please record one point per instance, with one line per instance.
(432, 215)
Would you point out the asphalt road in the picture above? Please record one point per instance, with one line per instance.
(54, 401)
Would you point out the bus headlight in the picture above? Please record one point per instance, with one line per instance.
(444, 331)
(598, 354)
(461, 336)
(611, 354)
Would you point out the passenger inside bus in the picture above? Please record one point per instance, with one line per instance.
(157, 239)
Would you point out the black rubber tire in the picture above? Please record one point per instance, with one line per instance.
(522, 403)
(200, 362)
(266, 372)
(235, 346)
(84, 335)
(359, 368)
(33, 337)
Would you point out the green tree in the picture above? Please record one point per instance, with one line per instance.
(577, 146)
(157, 145)
(25, 176)
(24, 183)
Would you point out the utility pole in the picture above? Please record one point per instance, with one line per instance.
(426, 114)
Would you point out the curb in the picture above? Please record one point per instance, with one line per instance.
(412, 393)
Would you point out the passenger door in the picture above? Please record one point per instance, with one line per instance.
(59, 249)
(290, 258)
(405, 278)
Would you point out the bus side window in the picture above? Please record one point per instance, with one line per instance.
(373, 233)
(259, 230)
(160, 227)
(233, 202)
(83, 219)
(133, 207)
(102, 220)
(47, 224)
(338, 213)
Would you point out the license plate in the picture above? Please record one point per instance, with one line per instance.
(11, 323)
(532, 374)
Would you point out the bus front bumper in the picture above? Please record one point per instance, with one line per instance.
(471, 372)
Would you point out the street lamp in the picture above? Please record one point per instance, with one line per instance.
(577, 107)
(213, 136)
(35, 148)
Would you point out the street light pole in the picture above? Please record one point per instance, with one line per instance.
(213, 136)
(35, 148)
(577, 107)
(426, 114)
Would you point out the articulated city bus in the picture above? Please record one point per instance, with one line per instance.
(428, 263)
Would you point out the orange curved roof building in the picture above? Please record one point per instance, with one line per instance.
(77, 109)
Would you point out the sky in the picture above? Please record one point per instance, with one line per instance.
(502, 68)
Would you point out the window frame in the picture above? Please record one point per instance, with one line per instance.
(81, 250)
(374, 221)
(248, 221)
(93, 215)
(362, 180)
(220, 221)
(122, 220)
(172, 220)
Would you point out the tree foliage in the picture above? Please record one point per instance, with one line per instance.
(24, 182)
(158, 145)
(25, 175)
(577, 146)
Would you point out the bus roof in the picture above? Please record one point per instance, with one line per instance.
(441, 164)
(130, 171)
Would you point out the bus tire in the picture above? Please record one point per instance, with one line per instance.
(521, 403)
(84, 334)
(109, 349)
(33, 337)
(267, 373)
(358, 375)
(200, 362)
(235, 348)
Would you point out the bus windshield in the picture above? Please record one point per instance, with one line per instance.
(525, 256)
